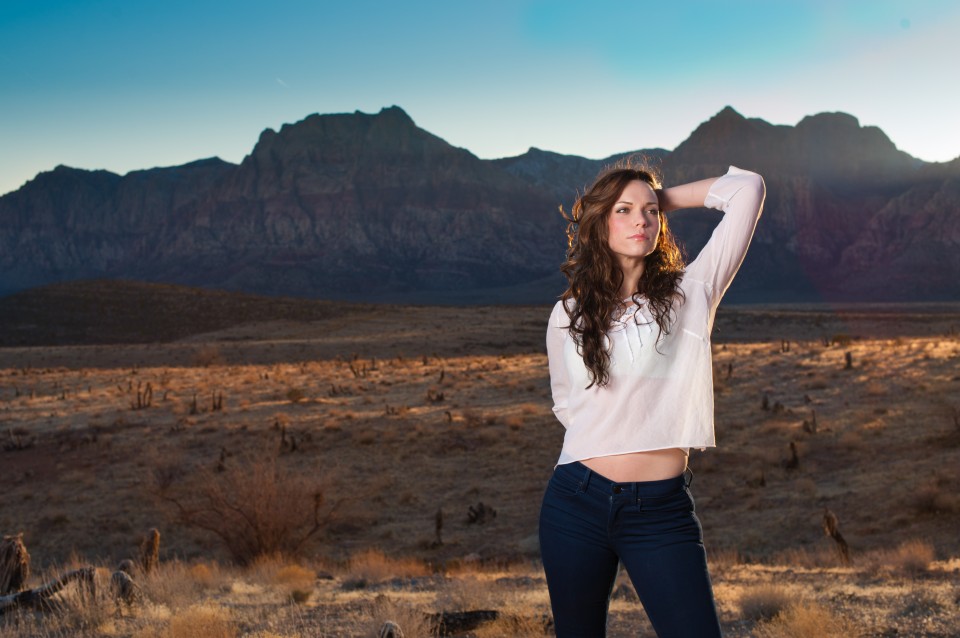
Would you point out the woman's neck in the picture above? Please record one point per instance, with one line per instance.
(631, 271)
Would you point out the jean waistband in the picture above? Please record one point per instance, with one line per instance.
(649, 489)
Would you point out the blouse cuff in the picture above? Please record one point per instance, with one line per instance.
(723, 190)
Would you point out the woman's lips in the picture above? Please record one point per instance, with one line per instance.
(640, 237)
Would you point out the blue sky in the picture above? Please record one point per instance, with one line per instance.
(124, 85)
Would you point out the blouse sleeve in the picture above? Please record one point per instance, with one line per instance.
(557, 333)
(739, 194)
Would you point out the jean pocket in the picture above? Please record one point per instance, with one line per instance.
(563, 483)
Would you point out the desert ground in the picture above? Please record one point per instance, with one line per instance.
(319, 476)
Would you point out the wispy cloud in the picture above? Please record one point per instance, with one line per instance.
(282, 83)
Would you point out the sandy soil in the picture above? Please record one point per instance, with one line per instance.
(396, 413)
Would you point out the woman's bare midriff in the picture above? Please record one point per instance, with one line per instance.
(654, 465)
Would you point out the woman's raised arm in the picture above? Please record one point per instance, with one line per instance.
(739, 194)
(689, 195)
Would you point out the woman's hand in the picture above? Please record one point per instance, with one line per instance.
(691, 195)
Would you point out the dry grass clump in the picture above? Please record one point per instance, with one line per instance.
(723, 559)
(294, 581)
(294, 576)
(911, 558)
(205, 576)
(469, 592)
(197, 621)
(514, 422)
(515, 626)
(914, 556)
(207, 355)
(175, 584)
(373, 566)
(81, 608)
(933, 498)
(764, 602)
(806, 620)
(414, 621)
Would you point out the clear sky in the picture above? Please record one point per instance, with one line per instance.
(129, 84)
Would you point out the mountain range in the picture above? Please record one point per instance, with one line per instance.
(370, 207)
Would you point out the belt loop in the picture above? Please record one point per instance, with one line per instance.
(585, 481)
(688, 477)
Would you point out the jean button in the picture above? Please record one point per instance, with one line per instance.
(617, 489)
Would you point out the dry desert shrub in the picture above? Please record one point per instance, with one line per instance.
(177, 584)
(531, 409)
(469, 592)
(294, 577)
(806, 620)
(295, 580)
(197, 621)
(374, 566)
(255, 507)
(764, 602)
(476, 418)
(515, 626)
(933, 498)
(206, 576)
(851, 441)
(723, 559)
(413, 621)
(81, 608)
(514, 422)
(911, 558)
(206, 356)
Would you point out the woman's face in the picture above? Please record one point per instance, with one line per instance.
(633, 223)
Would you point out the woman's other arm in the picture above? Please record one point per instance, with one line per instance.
(557, 332)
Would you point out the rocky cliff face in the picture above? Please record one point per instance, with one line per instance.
(368, 206)
(348, 203)
(835, 191)
(70, 223)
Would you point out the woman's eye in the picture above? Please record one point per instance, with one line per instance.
(622, 210)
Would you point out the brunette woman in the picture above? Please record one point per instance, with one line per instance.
(632, 380)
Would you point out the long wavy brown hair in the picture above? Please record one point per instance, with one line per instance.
(594, 274)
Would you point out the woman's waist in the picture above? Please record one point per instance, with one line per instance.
(577, 476)
(649, 465)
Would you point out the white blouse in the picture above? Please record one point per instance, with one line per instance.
(660, 393)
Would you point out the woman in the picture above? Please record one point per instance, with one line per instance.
(632, 381)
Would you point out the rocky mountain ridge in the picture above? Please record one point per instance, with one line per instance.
(371, 207)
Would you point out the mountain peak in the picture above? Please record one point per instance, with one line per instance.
(728, 112)
(393, 112)
(865, 149)
(336, 130)
(829, 122)
(727, 137)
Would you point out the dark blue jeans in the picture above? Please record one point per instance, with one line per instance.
(589, 524)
